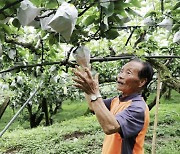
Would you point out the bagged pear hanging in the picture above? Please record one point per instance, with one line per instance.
(45, 21)
(82, 56)
(149, 21)
(64, 20)
(167, 23)
(27, 13)
(176, 38)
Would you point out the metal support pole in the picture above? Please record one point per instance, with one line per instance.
(15, 116)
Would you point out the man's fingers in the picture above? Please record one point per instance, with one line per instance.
(88, 73)
(80, 87)
(78, 68)
(78, 74)
(78, 80)
(97, 77)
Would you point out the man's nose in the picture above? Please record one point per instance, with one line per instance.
(120, 75)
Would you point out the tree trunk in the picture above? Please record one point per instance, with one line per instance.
(45, 110)
(32, 117)
(168, 94)
(153, 103)
(58, 106)
(4, 106)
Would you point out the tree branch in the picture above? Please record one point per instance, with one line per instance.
(140, 39)
(166, 75)
(129, 36)
(47, 15)
(25, 45)
(103, 59)
(162, 6)
(10, 5)
(73, 63)
(81, 13)
(60, 63)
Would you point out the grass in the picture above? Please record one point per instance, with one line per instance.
(73, 132)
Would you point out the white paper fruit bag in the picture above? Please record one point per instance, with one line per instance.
(176, 38)
(82, 56)
(45, 21)
(167, 23)
(27, 12)
(64, 20)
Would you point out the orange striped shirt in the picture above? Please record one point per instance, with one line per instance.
(132, 113)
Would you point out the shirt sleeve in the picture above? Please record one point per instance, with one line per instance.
(131, 119)
(107, 102)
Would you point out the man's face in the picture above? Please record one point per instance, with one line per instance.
(128, 81)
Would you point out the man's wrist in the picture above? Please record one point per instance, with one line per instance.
(94, 97)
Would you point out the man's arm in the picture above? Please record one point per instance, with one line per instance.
(106, 119)
(91, 86)
(88, 99)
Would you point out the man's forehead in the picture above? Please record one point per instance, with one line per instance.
(135, 65)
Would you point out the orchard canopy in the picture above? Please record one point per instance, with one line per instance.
(39, 37)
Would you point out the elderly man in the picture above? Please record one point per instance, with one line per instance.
(124, 119)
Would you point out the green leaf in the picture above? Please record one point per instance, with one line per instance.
(6, 28)
(112, 34)
(104, 3)
(151, 13)
(177, 5)
(110, 10)
(136, 3)
(51, 39)
(2, 36)
(119, 8)
(120, 4)
(37, 3)
(121, 12)
(116, 19)
(131, 11)
(52, 4)
(89, 20)
(16, 23)
(175, 27)
(2, 17)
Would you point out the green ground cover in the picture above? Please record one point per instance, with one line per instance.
(73, 132)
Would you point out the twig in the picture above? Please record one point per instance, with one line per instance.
(42, 47)
(67, 57)
(81, 13)
(47, 15)
(129, 37)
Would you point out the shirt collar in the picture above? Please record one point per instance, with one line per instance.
(136, 96)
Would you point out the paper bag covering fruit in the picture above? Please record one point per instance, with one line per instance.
(64, 20)
(82, 56)
(45, 21)
(176, 38)
(27, 13)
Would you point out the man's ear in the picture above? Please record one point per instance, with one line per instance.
(142, 82)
